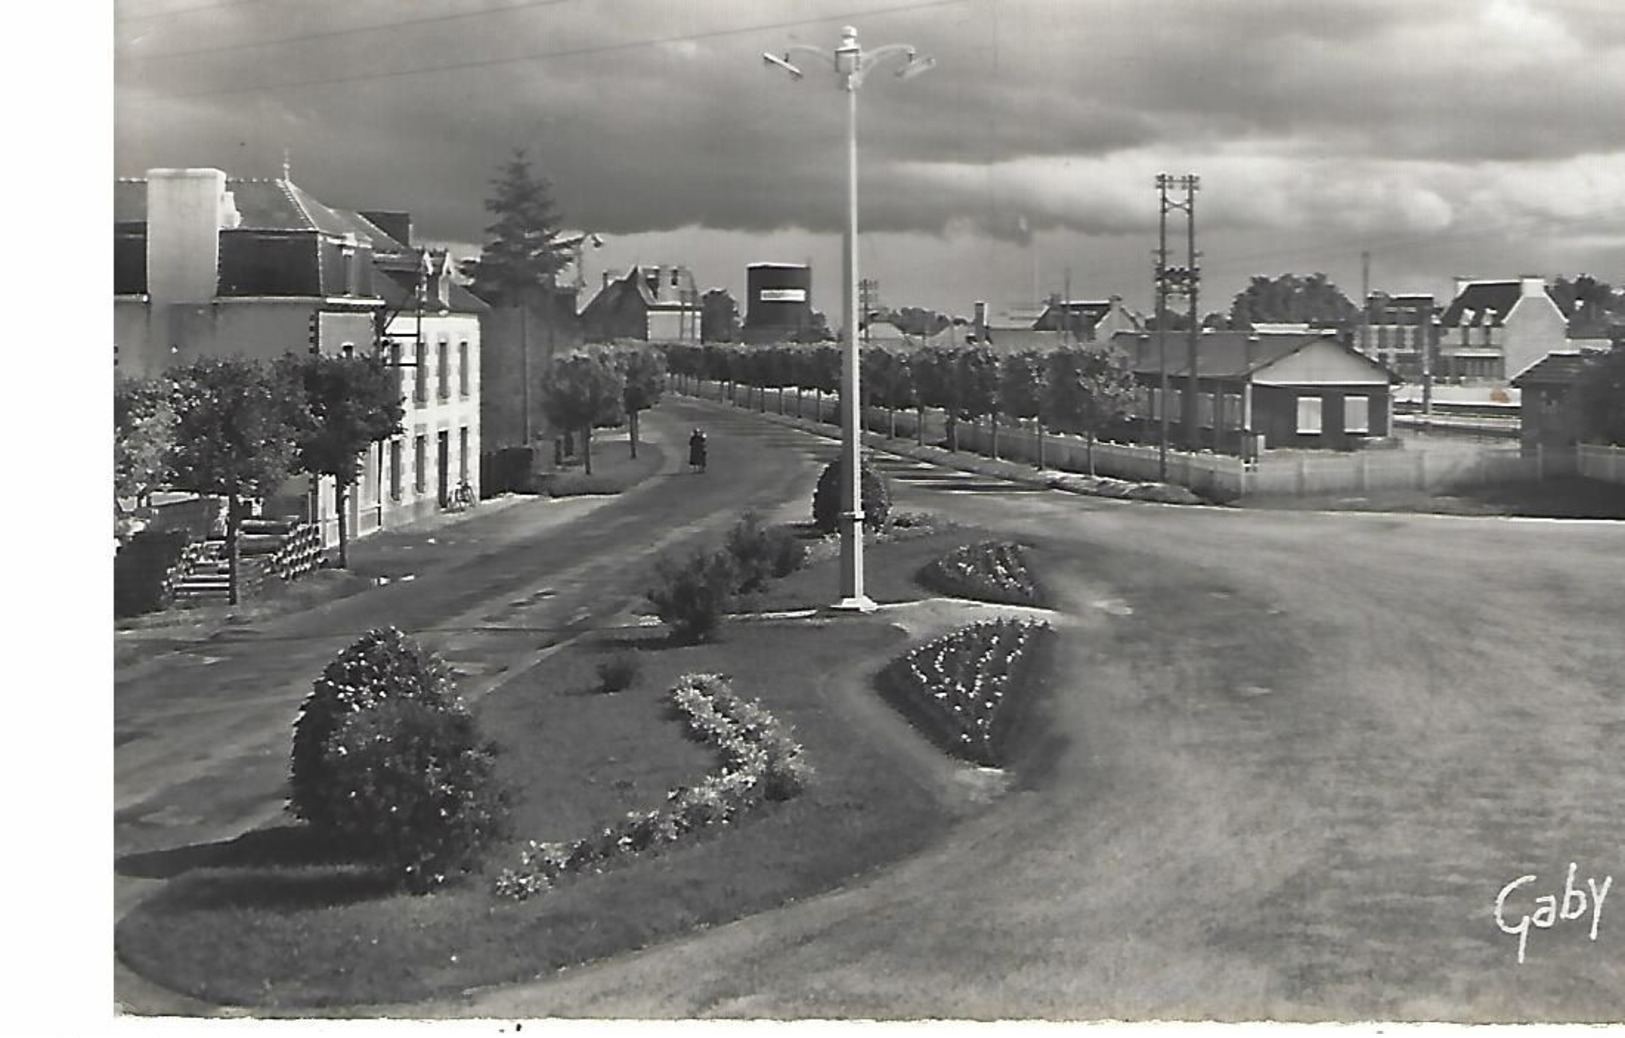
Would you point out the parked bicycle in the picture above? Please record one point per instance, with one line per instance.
(463, 497)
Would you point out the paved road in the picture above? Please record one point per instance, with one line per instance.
(202, 734)
(1302, 754)
(1299, 756)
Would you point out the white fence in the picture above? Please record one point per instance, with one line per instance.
(1277, 473)
(1599, 461)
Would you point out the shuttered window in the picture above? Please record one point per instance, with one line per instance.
(1357, 414)
(1308, 415)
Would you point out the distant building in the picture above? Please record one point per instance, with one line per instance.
(1088, 320)
(206, 265)
(778, 302)
(651, 303)
(1402, 330)
(1550, 410)
(1492, 330)
(1292, 390)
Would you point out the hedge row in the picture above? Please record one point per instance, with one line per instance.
(760, 761)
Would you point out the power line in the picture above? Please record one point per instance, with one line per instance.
(571, 53)
(378, 27)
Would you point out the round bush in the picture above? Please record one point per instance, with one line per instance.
(692, 596)
(413, 786)
(827, 498)
(381, 665)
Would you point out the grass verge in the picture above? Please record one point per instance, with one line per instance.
(1559, 498)
(265, 922)
(614, 470)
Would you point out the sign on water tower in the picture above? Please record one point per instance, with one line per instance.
(777, 299)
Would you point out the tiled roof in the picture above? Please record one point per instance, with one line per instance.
(1563, 368)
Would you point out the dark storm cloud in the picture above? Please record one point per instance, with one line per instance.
(1057, 112)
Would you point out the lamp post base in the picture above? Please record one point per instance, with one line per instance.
(855, 604)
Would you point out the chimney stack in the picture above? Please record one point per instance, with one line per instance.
(1531, 285)
(981, 321)
(186, 210)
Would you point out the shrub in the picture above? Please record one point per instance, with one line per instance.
(146, 568)
(618, 672)
(412, 784)
(761, 553)
(692, 596)
(382, 664)
(826, 504)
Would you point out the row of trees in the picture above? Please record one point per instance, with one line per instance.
(601, 385)
(237, 428)
(1075, 388)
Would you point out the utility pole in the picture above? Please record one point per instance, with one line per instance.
(869, 296)
(1365, 303)
(1172, 281)
(1066, 307)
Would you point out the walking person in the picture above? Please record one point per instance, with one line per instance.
(696, 450)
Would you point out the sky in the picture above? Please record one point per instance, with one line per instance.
(1480, 138)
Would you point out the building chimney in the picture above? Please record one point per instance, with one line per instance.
(1531, 285)
(186, 210)
(980, 321)
(1250, 351)
(1462, 283)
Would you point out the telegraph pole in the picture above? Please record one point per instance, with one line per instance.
(1365, 303)
(869, 295)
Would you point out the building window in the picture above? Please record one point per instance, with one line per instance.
(1357, 414)
(420, 384)
(462, 368)
(1308, 416)
(462, 455)
(1232, 410)
(394, 470)
(395, 364)
(443, 369)
(420, 464)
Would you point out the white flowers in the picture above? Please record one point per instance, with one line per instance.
(963, 676)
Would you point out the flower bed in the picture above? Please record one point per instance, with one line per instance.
(955, 686)
(760, 761)
(990, 571)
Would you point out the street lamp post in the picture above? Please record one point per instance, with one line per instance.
(851, 64)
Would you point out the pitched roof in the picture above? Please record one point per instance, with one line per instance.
(264, 205)
(1483, 303)
(398, 289)
(1090, 310)
(1224, 354)
(1560, 368)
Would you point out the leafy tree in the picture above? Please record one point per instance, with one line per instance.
(888, 382)
(816, 329)
(1023, 379)
(644, 371)
(1593, 306)
(1602, 397)
(1089, 386)
(977, 369)
(143, 430)
(350, 403)
(582, 389)
(936, 382)
(522, 253)
(235, 423)
(719, 316)
(1292, 298)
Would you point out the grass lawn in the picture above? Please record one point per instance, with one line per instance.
(1568, 497)
(264, 921)
(613, 470)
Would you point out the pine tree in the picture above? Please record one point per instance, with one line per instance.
(522, 253)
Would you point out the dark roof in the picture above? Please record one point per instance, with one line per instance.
(1563, 368)
(264, 205)
(1222, 354)
(398, 288)
(1089, 310)
(1484, 302)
